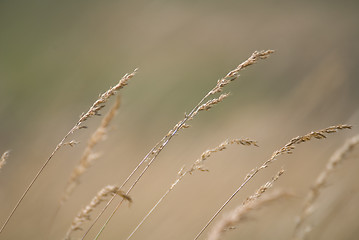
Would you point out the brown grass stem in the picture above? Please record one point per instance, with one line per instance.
(231, 76)
(94, 110)
(198, 165)
(88, 155)
(84, 214)
(255, 201)
(320, 134)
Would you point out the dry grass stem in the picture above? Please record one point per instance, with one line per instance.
(4, 158)
(321, 182)
(234, 74)
(89, 155)
(99, 104)
(288, 148)
(263, 188)
(94, 110)
(151, 156)
(90, 214)
(210, 103)
(84, 214)
(197, 165)
(255, 201)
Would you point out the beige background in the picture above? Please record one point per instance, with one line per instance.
(57, 56)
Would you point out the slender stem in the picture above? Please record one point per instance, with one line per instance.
(287, 148)
(155, 206)
(232, 75)
(123, 184)
(37, 175)
(94, 109)
(187, 117)
(225, 204)
(158, 146)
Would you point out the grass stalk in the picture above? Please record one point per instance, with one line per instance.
(88, 155)
(84, 214)
(287, 148)
(231, 76)
(253, 202)
(93, 110)
(198, 165)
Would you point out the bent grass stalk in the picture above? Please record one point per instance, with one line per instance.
(94, 110)
(197, 165)
(288, 148)
(231, 76)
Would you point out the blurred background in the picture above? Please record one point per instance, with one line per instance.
(56, 57)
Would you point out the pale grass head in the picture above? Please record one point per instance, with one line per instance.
(93, 110)
(240, 213)
(287, 148)
(203, 104)
(99, 103)
(4, 158)
(86, 218)
(234, 74)
(198, 165)
(85, 214)
(89, 155)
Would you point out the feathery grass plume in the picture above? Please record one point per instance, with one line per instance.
(255, 201)
(84, 214)
(151, 156)
(89, 155)
(4, 158)
(197, 165)
(288, 148)
(339, 156)
(94, 110)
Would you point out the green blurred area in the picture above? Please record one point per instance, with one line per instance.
(60, 55)
(57, 56)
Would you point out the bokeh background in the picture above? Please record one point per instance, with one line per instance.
(57, 56)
